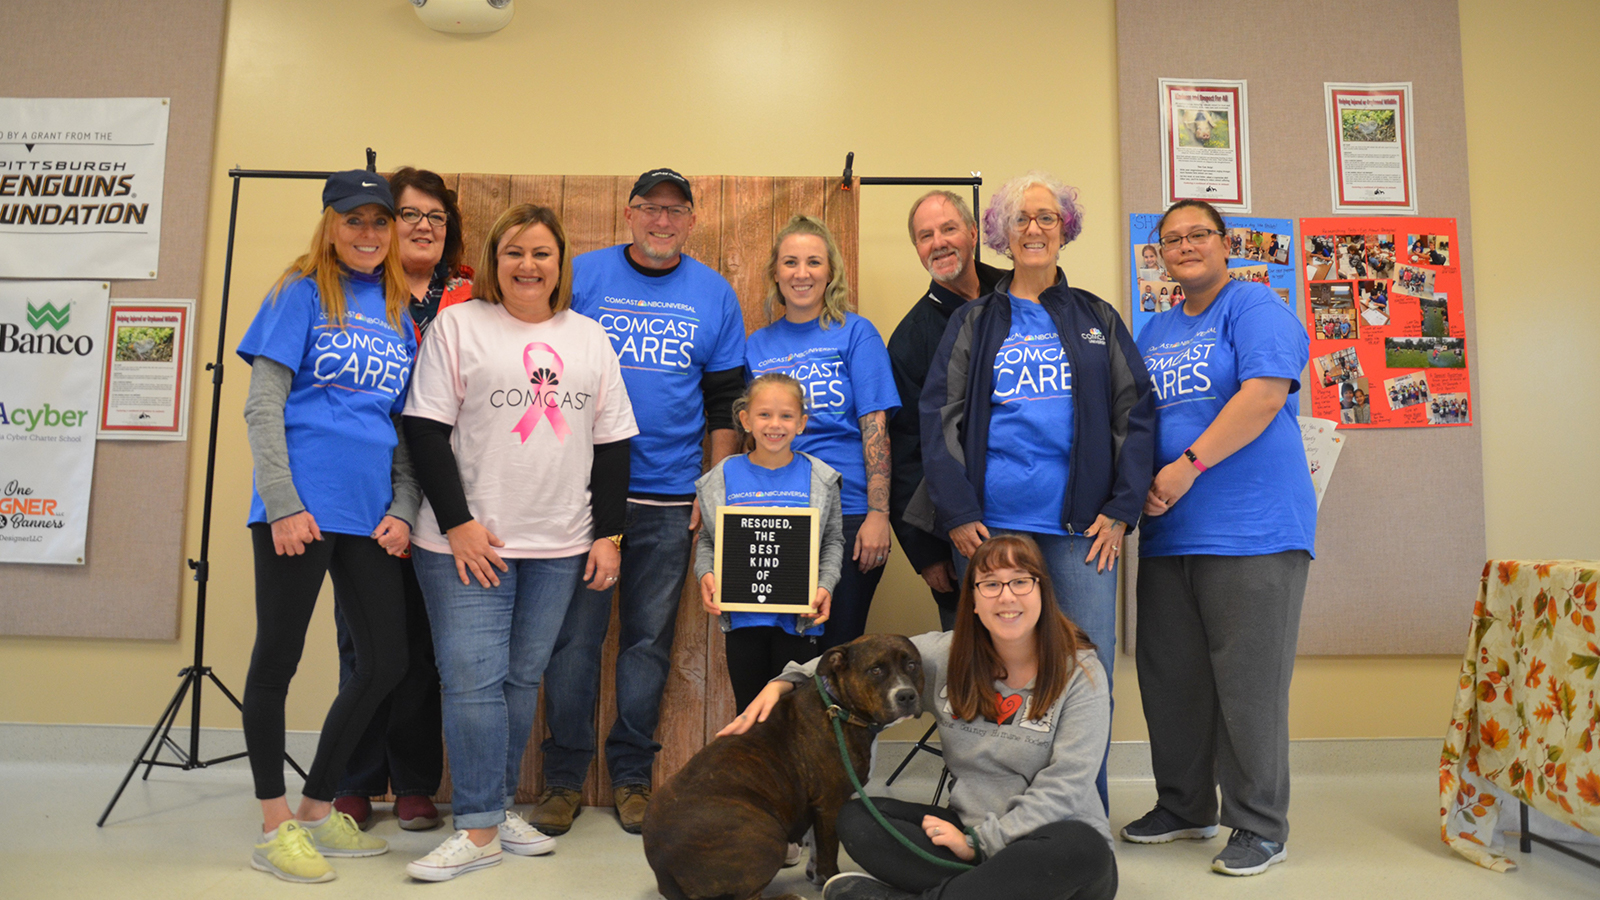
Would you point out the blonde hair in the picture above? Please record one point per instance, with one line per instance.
(747, 441)
(486, 283)
(836, 297)
(321, 265)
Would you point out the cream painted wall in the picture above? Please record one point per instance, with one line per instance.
(782, 88)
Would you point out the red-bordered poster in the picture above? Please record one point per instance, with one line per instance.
(145, 386)
(1388, 334)
(1371, 162)
(1206, 143)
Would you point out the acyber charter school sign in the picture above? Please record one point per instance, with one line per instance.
(51, 336)
(80, 187)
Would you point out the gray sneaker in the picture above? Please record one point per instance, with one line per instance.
(861, 886)
(1248, 853)
(1158, 826)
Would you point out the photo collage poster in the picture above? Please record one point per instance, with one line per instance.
(1388, 334)
(1258, 250)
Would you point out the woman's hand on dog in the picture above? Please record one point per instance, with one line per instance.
(943, 834)
(759, 708)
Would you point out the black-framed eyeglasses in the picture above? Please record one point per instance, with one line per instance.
(1195, 237)
(650, 210)
(1046, 220)
(411, 216)
(1020, 587)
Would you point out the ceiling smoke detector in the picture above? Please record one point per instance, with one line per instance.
(464, 16)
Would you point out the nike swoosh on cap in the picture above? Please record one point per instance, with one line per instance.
(367, 184)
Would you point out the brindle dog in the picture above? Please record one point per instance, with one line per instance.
(720, 827)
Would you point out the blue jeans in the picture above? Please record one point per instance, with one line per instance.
(655, 556)
(492, 645)
(1086, 596)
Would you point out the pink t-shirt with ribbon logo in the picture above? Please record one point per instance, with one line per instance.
(528, 402)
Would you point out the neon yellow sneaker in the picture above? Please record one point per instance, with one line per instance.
(290, 855)
(339, 835)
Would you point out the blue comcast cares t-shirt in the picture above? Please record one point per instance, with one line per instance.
(1030, 426)
(1260, 499)
(347, 383)
(747, 484)
(845, 372)
(667, 332)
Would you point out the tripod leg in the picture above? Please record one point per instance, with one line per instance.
(165, 720)
(191, 678)
(921, 744)
(944, 776)
(229, 694)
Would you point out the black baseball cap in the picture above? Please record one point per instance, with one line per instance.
(345, 191)
(661, 176)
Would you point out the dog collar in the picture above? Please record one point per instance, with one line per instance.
(837, 712)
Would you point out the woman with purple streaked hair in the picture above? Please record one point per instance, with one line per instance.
(1038, 413)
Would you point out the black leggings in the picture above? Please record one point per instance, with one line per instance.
(1059, 861)
(757, 654)
(367, 588)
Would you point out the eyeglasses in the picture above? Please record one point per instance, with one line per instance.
(1195, 237)
(650, 210)
(1046, 220)
(411, 216)
(1020, 587)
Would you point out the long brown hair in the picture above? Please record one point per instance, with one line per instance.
(321, 265)
(519, 218)
(975, 664)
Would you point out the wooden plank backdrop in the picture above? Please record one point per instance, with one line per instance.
(735, 219)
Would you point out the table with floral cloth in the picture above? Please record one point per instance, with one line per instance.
(1525, 717)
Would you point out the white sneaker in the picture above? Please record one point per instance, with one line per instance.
(791, 856)
(456, 856)
(517, 836)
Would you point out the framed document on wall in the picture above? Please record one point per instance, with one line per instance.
(766, 558)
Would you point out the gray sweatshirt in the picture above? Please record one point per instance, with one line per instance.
(711, 490)
(1013, 779)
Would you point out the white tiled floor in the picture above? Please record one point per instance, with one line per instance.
(184, 835)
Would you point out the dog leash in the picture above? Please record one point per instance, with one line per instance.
(835, 714)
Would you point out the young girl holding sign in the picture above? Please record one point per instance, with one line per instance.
(769, 473)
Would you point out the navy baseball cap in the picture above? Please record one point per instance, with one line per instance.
(345, 191)
(661, 176)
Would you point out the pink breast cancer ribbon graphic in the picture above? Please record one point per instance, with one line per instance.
(543, 365)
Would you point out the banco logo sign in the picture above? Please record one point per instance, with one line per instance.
(14, 340)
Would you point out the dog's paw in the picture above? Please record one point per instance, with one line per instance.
(819, 875)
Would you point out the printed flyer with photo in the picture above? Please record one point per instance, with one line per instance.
(1206, 152)
(1259, 250)
(1371, 161)
(1388, 334)
(145, 389)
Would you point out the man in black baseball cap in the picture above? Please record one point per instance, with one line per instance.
(650, 179)
(345, 191)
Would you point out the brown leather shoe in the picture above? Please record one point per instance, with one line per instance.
(555, 810)
(631, 802)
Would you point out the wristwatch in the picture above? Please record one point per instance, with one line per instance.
(1194, 460)
(615, 539)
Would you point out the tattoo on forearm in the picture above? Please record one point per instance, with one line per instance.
(875, 452)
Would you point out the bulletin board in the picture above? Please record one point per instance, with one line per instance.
(132, 578)
(1400, 535)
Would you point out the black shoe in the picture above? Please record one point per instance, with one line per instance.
(1158, 826)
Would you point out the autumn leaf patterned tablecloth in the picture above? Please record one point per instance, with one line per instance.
(1525, 717)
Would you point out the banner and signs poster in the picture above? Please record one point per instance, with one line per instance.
(80, 186)
(52, 342)
(145, 390)
(766, 558)
(1259, 250)
(1371, 161)
(1206, 143)
(1388, 331)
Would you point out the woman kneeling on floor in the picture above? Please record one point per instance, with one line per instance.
(1023, 714)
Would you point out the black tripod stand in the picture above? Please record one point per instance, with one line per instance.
(194, 676)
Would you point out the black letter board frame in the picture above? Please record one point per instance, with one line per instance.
(797, 539)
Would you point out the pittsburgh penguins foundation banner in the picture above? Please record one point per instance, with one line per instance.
(80, 186)
(52, 336)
